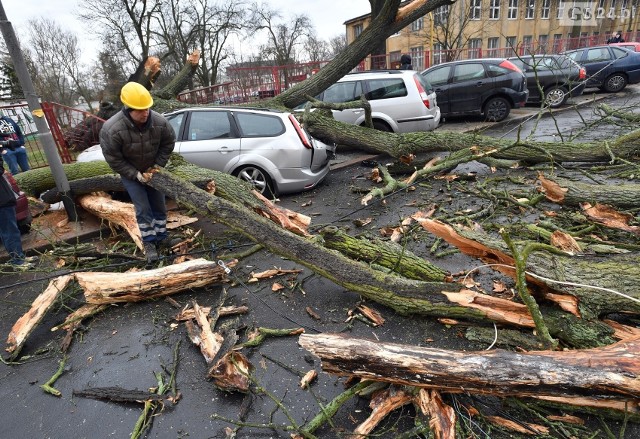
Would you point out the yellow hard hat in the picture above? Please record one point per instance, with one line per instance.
(136, 96)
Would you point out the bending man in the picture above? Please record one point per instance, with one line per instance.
(134, 141)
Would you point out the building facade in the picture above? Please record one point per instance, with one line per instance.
(496, 28)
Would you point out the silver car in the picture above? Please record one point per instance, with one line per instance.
(401, 101)
(267, 148)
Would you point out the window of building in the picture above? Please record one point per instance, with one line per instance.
(441, 16)
(512, 11)
(418, 24)
(475, 10)
(560, 9)
(544, 9)
(493, 44)
(475, 44)
(557, 43)
(494, 9)
(512, 42)
(543, 41)
(417, 57)
(530, 10)
(357, 30)
(527, 44)
(439, 54)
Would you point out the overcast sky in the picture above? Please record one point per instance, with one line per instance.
(327, 16)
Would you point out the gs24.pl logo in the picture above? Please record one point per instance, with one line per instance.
(589, 14)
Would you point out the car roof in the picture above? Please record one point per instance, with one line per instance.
(384, 72)
(462, 61)
(225, 107)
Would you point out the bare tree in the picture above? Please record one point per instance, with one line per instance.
(282, 38)
(128, 23)
(316, 49)
(337, 44)
(56, 58)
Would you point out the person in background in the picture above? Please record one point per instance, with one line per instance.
(616, 37)
(9, 231)
(405, 62)
(16, 159)
(134, 141)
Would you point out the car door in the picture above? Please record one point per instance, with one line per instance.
(210, 140)
(439, 78)
(469, 84)
(598, 63)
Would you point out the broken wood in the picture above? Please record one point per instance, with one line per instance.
(27, 323)
(101, 288)
(607, 373)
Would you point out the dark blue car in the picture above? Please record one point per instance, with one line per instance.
(609, 68)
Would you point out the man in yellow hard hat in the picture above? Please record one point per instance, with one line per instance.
(134, 141)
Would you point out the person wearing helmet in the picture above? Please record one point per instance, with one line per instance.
(133, 142)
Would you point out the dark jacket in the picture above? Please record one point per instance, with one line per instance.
(10, 130)
(129, 149)
(7, 196)
(405, 62)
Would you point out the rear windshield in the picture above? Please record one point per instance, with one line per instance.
(385, 88)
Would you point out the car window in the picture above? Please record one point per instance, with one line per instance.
(598, 54)
(468, 72)
(175, 120)
(340, 92)
(494, 70)
(521, 64)
(385, 88)
(619, 53)
(576, 56)
(205, 125)
(259, 125)
(439, 76)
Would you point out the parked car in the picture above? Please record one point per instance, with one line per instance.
(633, 46)
(490, 87)
(23, 215)
(401, 101)
(551, 78)
(609, 68)
(267, 148)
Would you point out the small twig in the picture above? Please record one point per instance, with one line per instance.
(48, 386)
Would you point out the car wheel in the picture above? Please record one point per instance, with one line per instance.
(615, 83)
(556, 96)
(381, 126)
(496, 109)
(258, 178)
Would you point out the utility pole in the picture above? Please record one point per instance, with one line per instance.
(44, 134)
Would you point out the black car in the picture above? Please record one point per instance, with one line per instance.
(490, 87)
(551, 78)
(609, 68)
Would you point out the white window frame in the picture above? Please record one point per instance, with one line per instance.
(475, 10)
(561, 4)
(494, 9)
(512, 10)
(545, 9)
(417, 57)
(530, 10)
(417, 25)
(441, 15)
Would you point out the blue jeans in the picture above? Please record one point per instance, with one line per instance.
(151, 210)
(10, 234)
(17, 158)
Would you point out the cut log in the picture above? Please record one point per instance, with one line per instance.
(25, 324)
(604, 373)
(100, 288)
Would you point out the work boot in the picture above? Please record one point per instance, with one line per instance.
(150, 252)
(165, 246)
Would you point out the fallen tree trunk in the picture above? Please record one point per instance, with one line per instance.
(605, 373)
(574, 193)
(327, 129)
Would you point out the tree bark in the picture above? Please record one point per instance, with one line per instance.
(574, 193)
(604, 373)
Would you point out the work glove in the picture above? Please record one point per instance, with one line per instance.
(143, 178)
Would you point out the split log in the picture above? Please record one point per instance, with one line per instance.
(382, 403)
(180, 80)
(203, 336)
(604, 373)
(100, 288)
(27, 323)
(124, 215)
